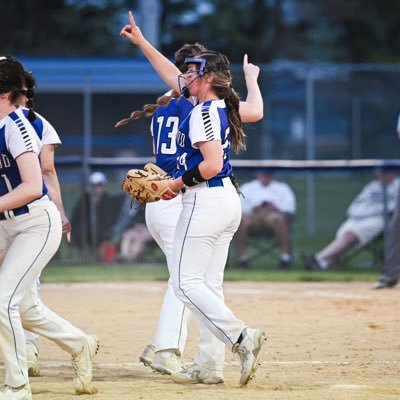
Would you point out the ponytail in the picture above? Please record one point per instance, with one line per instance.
(31, 115)
(149, 109)
(232, 102)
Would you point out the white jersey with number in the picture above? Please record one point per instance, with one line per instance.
(17, 136)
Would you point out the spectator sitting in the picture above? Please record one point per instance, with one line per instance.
(135, 234)
(365, 220)
(107, 223)
(267, 205)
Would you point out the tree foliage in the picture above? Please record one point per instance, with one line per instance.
(57, 27)
(306, 30)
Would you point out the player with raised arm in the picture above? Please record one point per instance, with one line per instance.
(162, 216)
(204, 139)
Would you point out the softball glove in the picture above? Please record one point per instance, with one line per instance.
(148, 184)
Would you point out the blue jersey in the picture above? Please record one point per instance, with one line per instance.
(164, 128)
(207, 121)
(17, 136)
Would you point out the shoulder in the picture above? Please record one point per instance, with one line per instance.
(17, 121)
(208, 108)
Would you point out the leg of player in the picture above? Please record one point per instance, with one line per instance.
(32, 346)
(209, 361)
(32, 353)
(188, 274)
(19, 302)
(170, 338)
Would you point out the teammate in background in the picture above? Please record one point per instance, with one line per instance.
(268, 205)
(211, 209)
(162, 216)
(50, 140)
(390, 272)
(365, 220)
(29, 220)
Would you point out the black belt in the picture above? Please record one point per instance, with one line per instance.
(15, 212)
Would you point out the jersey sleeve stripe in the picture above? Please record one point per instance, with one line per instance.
(24, 133)
(207, 123)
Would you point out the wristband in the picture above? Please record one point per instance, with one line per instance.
(192, 177)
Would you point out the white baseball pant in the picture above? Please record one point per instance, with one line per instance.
(161, 220)
(209, 219)
(27, 243)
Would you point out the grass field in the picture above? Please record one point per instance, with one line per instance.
(142, 272)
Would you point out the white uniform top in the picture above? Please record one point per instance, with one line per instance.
(17, 136)
(278, 193)
(370, 201)
(44, 129)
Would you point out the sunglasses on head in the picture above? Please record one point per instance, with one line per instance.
(29, 93)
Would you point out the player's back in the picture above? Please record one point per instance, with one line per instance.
(164, 127)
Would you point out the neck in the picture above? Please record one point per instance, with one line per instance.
(207, 95)
(6, 108)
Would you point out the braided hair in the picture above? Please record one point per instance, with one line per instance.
(187, 50)
(29, 92)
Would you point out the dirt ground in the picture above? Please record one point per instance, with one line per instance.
(325, 341)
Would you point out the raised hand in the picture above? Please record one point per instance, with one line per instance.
(132, 31)
(250, 70)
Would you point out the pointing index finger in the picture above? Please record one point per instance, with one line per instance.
(131, 19)
(245, 60)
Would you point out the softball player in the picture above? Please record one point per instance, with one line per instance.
(204, 139)
(29, 220)
(161, 220)
(50, 140)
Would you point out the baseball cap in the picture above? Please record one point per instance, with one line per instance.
(265, 171)
(97, 178)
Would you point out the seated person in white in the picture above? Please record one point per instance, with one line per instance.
(267, 205)
(365, 220)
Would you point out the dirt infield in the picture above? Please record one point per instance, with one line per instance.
(325, 341)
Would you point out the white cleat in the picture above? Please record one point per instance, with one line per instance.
(148, 355)
(166, 363)
(82, 364)
(20, 393)
(197, 374)
(249, 352)
(32, 359)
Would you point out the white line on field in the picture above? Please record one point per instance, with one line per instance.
(55, 364)
(160, 288)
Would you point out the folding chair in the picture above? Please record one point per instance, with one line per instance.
(374, 252)
(263, 245)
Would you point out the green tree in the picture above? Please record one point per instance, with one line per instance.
(58, 27)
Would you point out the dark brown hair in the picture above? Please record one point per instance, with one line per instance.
(218, 65)
(11, 77)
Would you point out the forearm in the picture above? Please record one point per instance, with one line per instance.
(207, 171)
(20, 196)
(166, 70)
(53, 186)
(252, 110)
